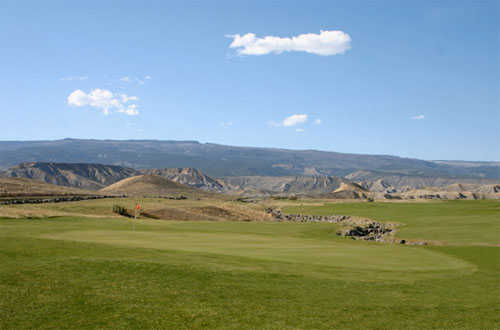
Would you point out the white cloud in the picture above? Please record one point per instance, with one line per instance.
(126, 98)
(226, 124)
(103, 100)
(317, 121)
(140, 81)
(325, 43)
(294, 120)
(418, 117)
(300, 130)
(75, 78)
(131, 110)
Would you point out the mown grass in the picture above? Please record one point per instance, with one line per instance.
(454, 222)
(74, 272)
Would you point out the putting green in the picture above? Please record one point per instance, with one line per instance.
(328, 257)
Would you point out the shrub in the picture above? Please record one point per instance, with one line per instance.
(121, 210)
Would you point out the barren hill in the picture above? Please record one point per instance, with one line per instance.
(148, 184)
(314, 185)
(302, 185)
(98, 176)
(378, 186)
(85, 176)
(188, 176)
(381, 182)
(485, 189)
(29, 187)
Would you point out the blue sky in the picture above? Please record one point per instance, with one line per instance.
(415, 79)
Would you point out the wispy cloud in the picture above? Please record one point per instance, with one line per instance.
(126, 98)
(325, 43)
(226, 124)
(140, 81)
(74, 78)
(318, 121)
(418, 117)
(289, 121)
(294, 120)
(130, 110)
(104, 100)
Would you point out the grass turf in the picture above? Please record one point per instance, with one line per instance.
(454, 222)
(97, 273)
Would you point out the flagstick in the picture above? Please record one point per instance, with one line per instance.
(135, 216)
(137, 211)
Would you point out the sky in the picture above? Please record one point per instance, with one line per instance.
(416, 79)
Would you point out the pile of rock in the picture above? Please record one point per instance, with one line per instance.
(374, 231)
(356, 228)
(279, 216)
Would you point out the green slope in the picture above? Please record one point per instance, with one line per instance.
(450, 222)
(101, 273)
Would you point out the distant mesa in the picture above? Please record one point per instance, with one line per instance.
(216, 160)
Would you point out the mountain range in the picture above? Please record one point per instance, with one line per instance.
(123, 180)
(110, 177)
(217, 160)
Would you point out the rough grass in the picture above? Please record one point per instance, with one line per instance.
(104, 208)
(19, 187)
